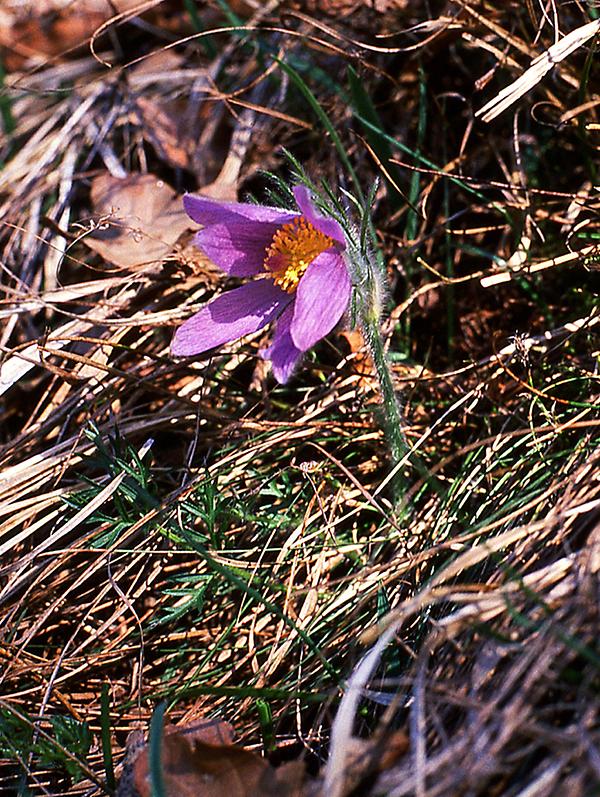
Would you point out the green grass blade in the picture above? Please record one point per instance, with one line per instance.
(157, 783)
(206, 41)
(107, 756)
(325, 121)
(365, 109)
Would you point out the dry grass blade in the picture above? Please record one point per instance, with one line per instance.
(540, 67)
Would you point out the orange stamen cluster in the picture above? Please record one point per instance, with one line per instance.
(292, 250)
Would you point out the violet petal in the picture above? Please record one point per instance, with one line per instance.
(239, 251)
(232, 315)
(322, 297)
(282, 352)
(235, 235)
(327, 226)
(205, 211)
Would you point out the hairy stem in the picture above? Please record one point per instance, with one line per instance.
(370, 305)
(391, 408)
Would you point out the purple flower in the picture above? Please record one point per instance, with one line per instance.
(302, 280)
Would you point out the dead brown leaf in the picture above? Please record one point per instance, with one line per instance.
(366, 757)
(361, 359)
(49, 30)
(156, 64)
(200, 761)
(138, 219)
(41, 37)
(169, 130)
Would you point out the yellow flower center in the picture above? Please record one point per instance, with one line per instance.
(292, 250)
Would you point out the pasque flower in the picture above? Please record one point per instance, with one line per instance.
(301, 278)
